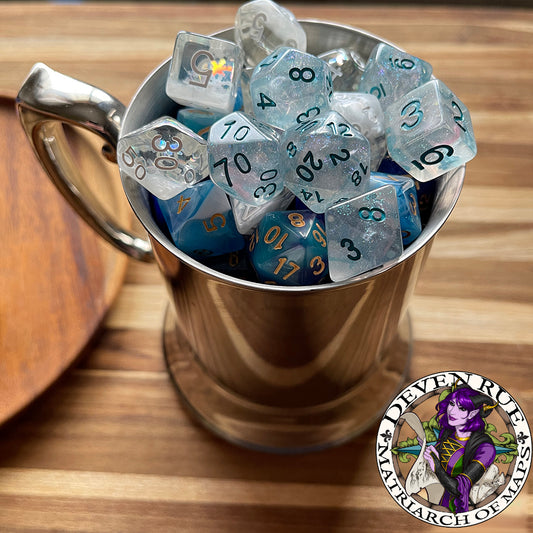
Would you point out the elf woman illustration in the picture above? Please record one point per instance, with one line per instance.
(458, 468)
(464, 451)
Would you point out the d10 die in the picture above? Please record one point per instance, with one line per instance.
(164, 156)
(200, 221)
(290, 248)
(204, 72)
(262, 26)
(407, 203)
(289, 85)
(326, 160)
(247, 216)
(363, 112)
(390, 74)
(429, 131)
(363, 233)
(244, 158)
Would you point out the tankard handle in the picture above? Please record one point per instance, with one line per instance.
(46, 102)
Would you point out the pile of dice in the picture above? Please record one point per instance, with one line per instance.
(306, 166)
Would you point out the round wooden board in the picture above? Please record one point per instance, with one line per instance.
(57, 277)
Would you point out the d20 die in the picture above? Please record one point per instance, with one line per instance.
(363, 111)
(200, 221)
(244, 158)
(346, 67)
(204, 72)
(390, 73)
(326, 160)
(290, 248)
(363, 233)
(164, 156)
(407, 202)
(429, 131)
(262, 26)
(289, 86)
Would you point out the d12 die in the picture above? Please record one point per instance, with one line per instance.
(262, 26)
(326, 160)
(164, 156)
(244, 158)
(407, 202)
(363, 233)
(288, 85)
(290, 248)
(390, 73)
(204, 72)
(200, 221)
(429, 131)
(363, 111)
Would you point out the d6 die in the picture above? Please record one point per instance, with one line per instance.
(244, 158)
(390, 74)
(204, 72)
(262, 26)
(290, 248)
(200, 221)
(407, 202)
(164, 156)
(429, 131)
(363, 233)
(326, 161)
(287, 85)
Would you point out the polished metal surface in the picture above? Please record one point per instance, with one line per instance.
(287, 368)
(46, 101)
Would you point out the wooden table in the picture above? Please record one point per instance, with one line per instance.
(110, 448)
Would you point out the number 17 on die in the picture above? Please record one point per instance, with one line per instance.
(205, 72)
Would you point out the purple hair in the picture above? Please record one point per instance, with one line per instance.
(463, 397)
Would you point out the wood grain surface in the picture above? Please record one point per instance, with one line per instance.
(111, 449)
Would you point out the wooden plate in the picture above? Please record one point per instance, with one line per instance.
(57, 277)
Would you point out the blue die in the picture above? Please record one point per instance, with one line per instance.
(200, 221)
(407, 202)
(290, 248)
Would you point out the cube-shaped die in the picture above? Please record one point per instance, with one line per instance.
(429, 131)
(204, 72)
(290, 248)
(390, 73)
(200, 221)
(290, 86)
(244, 158)
(262, 26)
(363, 111)
(363, 233)
(164, 156)
(407, 202)
(326, 160)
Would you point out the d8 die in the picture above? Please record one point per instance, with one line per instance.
(288, 85)
(244, 158)
(407, 203)
(326, 161)
(363, 233)
(200, 221)
(164, 156)
(429, 131)
(290, 248)
(363, 112)
(204, 72)
(262, 26)
(390, 74)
